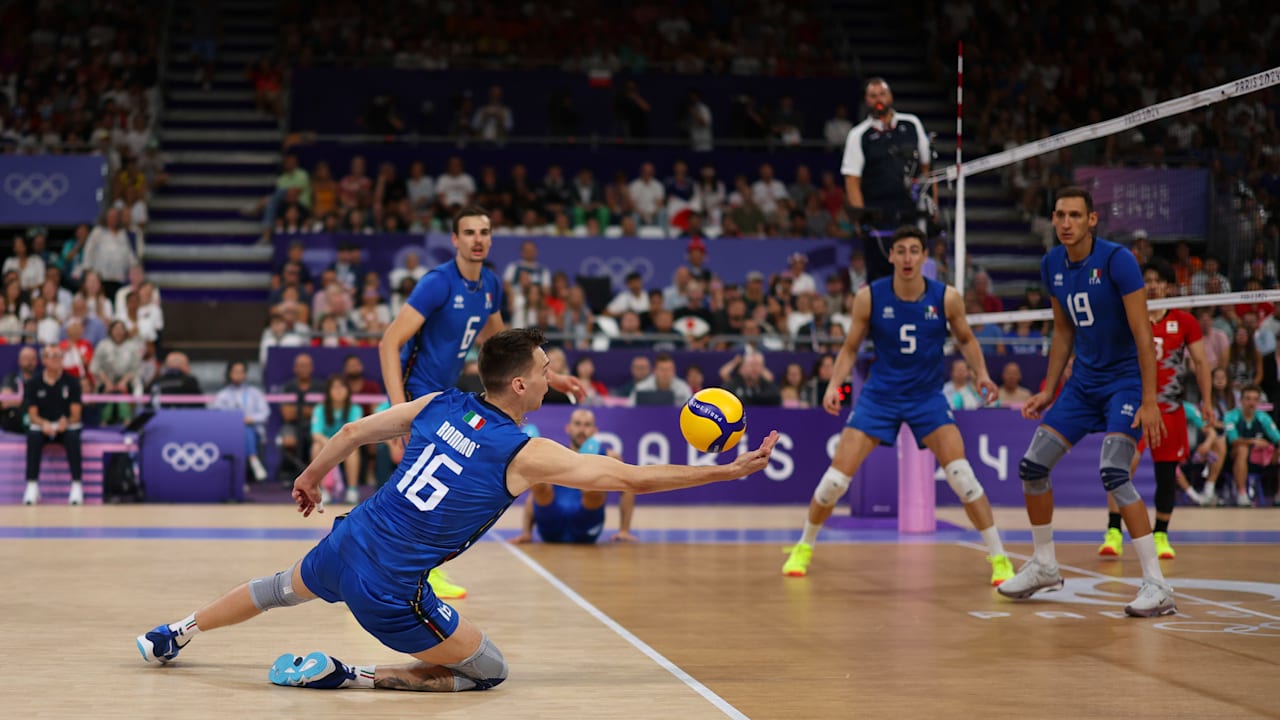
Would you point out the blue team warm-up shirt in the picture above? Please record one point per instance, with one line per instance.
(1092, 292)
(908, 337)
(450, 487)
(456, 310)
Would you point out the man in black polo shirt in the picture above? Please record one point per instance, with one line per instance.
(52, 399)
(883, 155)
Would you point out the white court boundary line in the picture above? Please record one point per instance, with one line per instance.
(1126, 581)
(684, 677)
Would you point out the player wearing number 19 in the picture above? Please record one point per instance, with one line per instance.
(466, 461)
(906, 316)
(1100, 314)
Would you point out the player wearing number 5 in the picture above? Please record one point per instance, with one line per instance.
(906, 317)
(456, 305)
(465, 462)
(1100, 314)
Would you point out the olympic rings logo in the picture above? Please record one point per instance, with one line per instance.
(36, 187)
(616, 268)
(189, 456)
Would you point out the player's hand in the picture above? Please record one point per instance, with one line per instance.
(756, 460)
(1206, 410)
(1035, 404)
(831, 399)
(567, 384)
(987, 390)
(624, 536)
(522, 539)
(1151, 421)
(306, 493)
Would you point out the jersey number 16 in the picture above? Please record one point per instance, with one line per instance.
(422, 474)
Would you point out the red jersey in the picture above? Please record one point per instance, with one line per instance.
(1173, 333)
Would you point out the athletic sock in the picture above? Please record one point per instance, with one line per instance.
(364, 676)
(186, 627)
(1042, 536)
(810, 535)
(1146, 547)
(1162, 525)
(1113, 521)
(991, 536)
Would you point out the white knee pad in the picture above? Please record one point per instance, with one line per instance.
(963, 482)
(831, 488)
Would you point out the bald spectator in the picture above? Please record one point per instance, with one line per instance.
(175, 378)
(1011, 391)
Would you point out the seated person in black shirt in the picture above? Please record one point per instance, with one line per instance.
(747, 377)
(175, 379)
(52, 399)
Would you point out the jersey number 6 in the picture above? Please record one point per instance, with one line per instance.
(422, 474)
(469, 335)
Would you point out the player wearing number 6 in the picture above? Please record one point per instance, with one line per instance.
(1100, 314)
(466, 461)
(456, 305)
(906, 317)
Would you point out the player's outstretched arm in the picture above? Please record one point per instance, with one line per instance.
(859, 322)
(379, 427)
(1148, 415)
(543, 460)
(968, 343)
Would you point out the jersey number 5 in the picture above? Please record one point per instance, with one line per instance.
(1081, 313)
(907, 335)
(469, 335)
(422, 474)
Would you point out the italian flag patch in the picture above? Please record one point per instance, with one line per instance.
(475, 421)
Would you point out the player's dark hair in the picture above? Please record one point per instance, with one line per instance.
(1075, 191)
(466, 212)
(907, 231)
(506, 355)
(1162, 268)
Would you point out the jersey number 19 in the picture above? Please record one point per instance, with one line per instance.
(1081, 313)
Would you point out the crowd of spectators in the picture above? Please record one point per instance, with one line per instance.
(684, 202)
(765, 37)
(1034, 70)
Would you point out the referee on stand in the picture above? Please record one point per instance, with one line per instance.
(52, 400)
(884, 156)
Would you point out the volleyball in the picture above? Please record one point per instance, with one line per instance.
(713, 420)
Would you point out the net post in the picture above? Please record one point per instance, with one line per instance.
(960, 216)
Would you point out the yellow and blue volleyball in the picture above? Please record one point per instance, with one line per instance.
(713, 420)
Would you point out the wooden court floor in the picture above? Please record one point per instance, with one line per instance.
(884, 627)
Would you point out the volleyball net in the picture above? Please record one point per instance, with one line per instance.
(1201, 168)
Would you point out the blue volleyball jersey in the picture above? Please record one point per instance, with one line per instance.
(456, 310)
(448, 490)
(909, 337)
(1091, 292)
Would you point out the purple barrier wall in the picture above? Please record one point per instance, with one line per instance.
(656, 260)
(994, 443)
